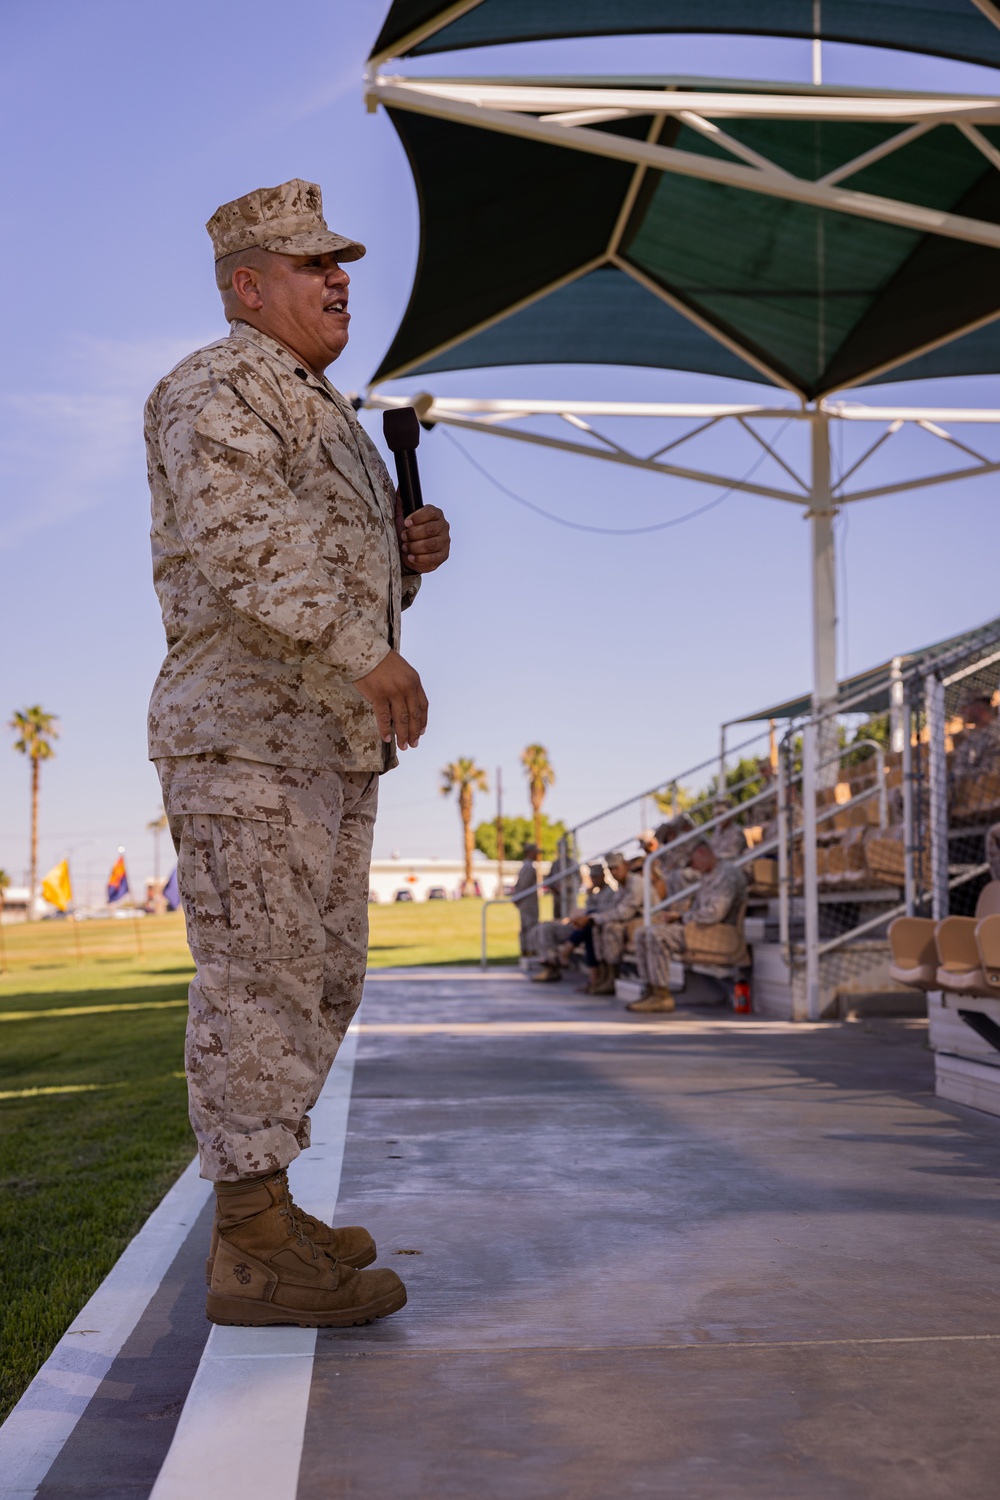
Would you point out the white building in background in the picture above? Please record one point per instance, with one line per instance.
(15, 903)
(420, 876)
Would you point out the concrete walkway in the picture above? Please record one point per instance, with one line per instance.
(701, 1258)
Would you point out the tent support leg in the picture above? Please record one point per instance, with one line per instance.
(819, 748)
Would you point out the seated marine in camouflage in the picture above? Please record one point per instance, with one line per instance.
(553, 942)
(718, 900)
(610, 926)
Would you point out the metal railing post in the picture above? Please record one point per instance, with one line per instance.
(909, 831)
(937, 777)
(784, 871)
(810, 880)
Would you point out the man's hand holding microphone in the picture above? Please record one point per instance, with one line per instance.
(393, 688)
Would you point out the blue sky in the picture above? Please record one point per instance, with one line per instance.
(125, 126)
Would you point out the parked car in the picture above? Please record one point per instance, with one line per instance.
(403, 895)
(437, 893)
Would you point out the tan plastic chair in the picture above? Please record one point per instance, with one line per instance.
(914, 952)
(988, 943)
(960, 967)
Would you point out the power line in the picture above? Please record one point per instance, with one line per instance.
(608, 530)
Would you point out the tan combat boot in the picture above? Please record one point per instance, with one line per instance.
(547, 974)
(605, 984)
(267, 1272)
(351, 1244)
(658, 999)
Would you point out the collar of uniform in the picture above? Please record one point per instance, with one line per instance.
(246, 333)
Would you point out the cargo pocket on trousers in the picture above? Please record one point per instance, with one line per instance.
(245, 891)
(240, 892)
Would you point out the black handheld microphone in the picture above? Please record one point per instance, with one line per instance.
(401, 428)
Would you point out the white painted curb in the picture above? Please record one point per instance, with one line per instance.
(240, 1433)
(34, 1433)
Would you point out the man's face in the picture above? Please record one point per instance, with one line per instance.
(703, 860)
(620, 872)
(300, 300)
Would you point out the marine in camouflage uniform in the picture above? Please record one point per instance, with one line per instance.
(718, 899)
(611, 925)
(978, 748)
(277, 561)
(728, 840)
(526, 887)
(548, 937)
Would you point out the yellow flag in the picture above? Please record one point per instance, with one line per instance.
(56, 887)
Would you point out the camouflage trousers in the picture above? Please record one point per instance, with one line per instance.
(546, 938)
(609, 941)
(273, 866)
(654, 948)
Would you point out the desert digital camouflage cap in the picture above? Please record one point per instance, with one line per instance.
(287, 219)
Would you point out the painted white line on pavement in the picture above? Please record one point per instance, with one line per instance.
(240, 1433)
(43, 1419)
(593, 1028)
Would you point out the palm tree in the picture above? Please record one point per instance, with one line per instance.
(156, 827)
(467, 778)
(35, 730)
(538, 769)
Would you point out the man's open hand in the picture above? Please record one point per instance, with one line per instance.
(394, 691)
(424, 538)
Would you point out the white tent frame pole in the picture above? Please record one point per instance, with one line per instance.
(497, 417)
(429, 28)
(819, 742)
(824, 595)
(773, 183)
(810, 881)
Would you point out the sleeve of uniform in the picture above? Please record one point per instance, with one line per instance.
(716, 900)
(243, 527)
(628, 903)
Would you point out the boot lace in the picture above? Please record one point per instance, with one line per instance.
(296, 1218)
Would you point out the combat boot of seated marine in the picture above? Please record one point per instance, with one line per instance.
(656, 999)
(266, 1272)
(605, 984)
(351, 1244)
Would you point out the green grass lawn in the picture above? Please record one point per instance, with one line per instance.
(93, 1109)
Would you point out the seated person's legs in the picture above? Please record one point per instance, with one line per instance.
(654, 948)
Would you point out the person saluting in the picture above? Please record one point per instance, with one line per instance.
(282, 563)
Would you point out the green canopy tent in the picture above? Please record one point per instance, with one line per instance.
(962, 29)
(868, 230)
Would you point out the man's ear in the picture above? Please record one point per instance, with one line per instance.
(246, 287)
